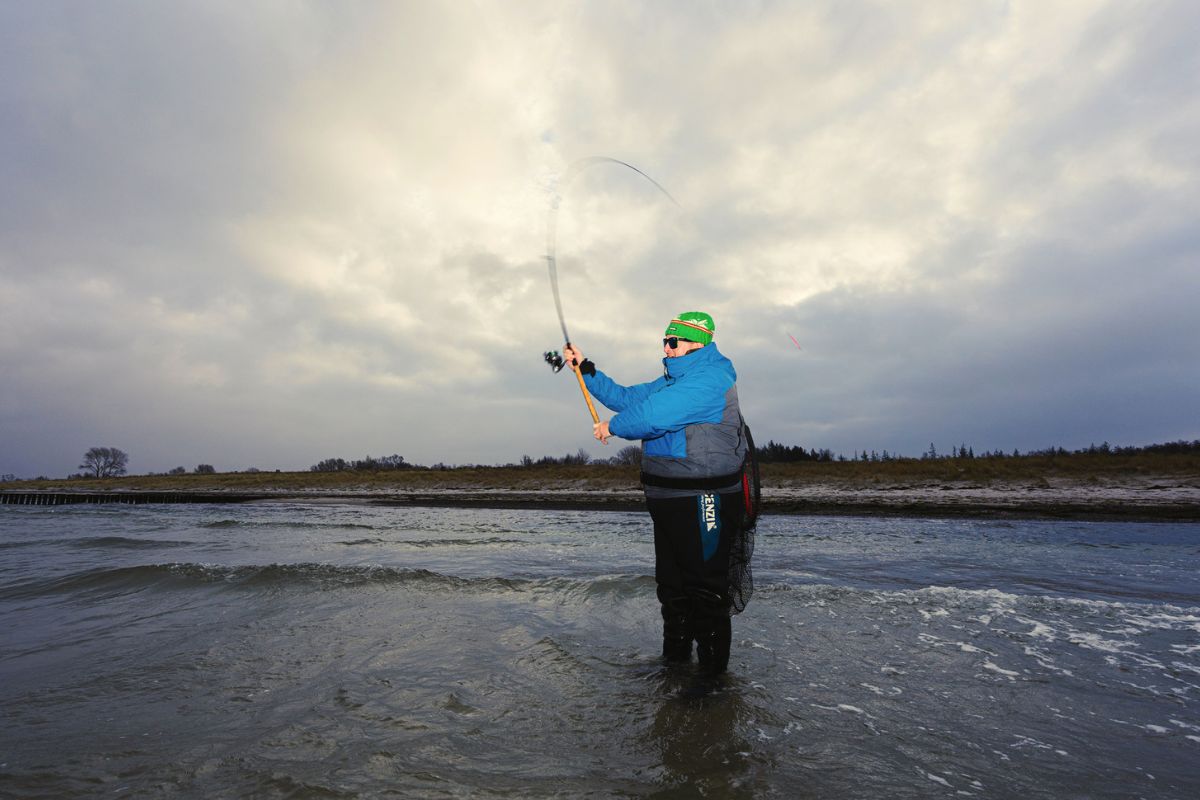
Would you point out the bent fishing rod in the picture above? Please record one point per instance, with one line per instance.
(552, 357)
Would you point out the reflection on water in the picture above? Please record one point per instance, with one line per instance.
(697, 735)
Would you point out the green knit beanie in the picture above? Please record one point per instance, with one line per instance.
(695, 326)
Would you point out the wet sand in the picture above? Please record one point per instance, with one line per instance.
(1135, 498)
(1167, 501)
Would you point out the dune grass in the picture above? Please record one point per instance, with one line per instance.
(1074, 468)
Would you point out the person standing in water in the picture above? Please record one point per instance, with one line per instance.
(694, 446)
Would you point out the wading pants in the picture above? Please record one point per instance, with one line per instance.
(691, 567)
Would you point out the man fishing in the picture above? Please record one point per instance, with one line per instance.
(694, 445)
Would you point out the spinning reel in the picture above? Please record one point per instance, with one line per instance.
(557, 362)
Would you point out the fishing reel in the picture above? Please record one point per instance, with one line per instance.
(557, 362)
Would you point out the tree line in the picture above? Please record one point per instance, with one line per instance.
(110, 462)
(772, 452)
(777, 453)
(631, 454)
(385, 464)
(113, 462)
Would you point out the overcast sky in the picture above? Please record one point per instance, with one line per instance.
(264, 234)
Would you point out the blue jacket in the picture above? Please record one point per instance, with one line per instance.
(688, 420)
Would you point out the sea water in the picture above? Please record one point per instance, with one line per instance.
(340, 651)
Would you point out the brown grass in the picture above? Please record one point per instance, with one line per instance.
(475, 478)
(1081, 468)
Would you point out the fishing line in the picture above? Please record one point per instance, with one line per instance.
(552, 223)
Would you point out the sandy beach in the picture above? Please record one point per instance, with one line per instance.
(1142, 500)
(1124, 498)
(1134, 498)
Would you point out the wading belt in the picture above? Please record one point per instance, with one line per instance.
(714, 482)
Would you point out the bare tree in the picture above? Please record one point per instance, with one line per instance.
(630, 454)
(104, 462)
(581, 457)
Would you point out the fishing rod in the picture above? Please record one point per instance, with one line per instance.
(552, 357)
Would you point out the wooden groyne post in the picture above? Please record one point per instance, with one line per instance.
(11, 498)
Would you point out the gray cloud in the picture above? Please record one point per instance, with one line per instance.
(265, 236)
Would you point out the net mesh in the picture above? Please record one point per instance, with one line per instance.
(741, 550)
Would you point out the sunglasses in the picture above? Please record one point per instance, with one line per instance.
(673, 341)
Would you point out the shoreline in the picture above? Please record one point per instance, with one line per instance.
(1156, 503)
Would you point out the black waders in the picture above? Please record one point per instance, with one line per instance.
(691, 548)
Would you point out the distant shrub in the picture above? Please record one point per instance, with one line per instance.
(630, 455)
(773, 452)
(368, 464)
(580, 458)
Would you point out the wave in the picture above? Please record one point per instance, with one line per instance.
(18, 544)
(122, 543)
(600, 587)
(957, 598)
(98, 543)
(275, 577)
(425, 543)
(291, 524)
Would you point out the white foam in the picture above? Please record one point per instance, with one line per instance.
(1004, 604)
(935, 778)
(1122, 631)
(1144, 660)
(1028, 741)
(1008, 673)
(1179, 665)
(1045, 661)
(969, 594)
(845, 708)
(892, 690)
(1040, 629)
(1094, 641)
(1183, 620)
